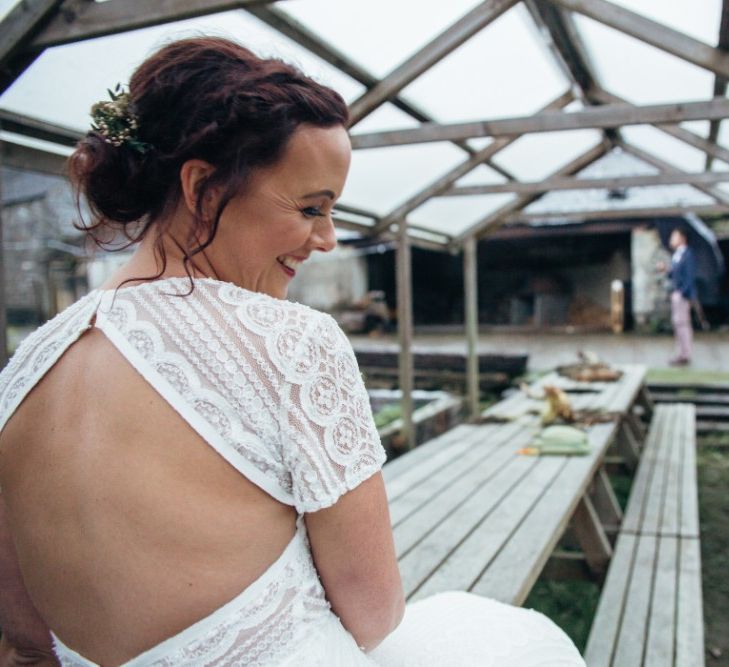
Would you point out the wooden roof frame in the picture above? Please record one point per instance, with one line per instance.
(33, 25)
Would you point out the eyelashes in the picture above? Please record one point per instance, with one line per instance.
(313, 212)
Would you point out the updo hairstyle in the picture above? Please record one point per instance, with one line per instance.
(207, 98)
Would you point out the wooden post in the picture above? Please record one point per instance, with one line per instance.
(3, 313)
(470, 284)
(405, 333)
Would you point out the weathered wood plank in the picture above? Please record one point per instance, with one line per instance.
(656, 495)
(689, 520)
(88, 20)
(633, 629)
(572, 183)
(470, 290)
(689, 617)
(444, 506)
(437, 49)
(659, 647)
(465, 563)
(394, 468)
(608, 617)
(419, 469)
(633, 519)
(651, 32)
(473, 468)
(605, 502)
(607, 115)
(591, 536)
(513, 573)
(427, 557)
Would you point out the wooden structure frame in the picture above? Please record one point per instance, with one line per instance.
(34, 25)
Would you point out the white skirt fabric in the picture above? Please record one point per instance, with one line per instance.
(453, 629)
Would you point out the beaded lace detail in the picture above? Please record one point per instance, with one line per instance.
(274, 387)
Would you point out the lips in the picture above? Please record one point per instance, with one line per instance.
(289, 264)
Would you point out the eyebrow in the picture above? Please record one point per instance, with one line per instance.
(319, 193)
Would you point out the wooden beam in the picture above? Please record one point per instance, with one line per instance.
(32, 159)
(437, 49)
(571, 183)
(591, 536)
(656, 34)
(39, 129)
(667, 168)
(612, 115)
(3, 302)
(565, 45)
(405, 335)
(617, 214)
(675, 131)
(720, 82)
(23, 21)
(496, 218)
(79, 20)
(300, 34)
(442, 183)
(470, 289)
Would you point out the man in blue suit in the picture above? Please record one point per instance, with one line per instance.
(683, 292)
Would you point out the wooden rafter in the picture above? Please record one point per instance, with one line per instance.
(300, 34)
(38, 129)
(609, 115)
(651, 32)
(617, 213)
(32, 159)
(720, 82)
(667, 168)
(570, 183)
(688, 137)
(496, 218)
(79, 20)
(17, 29)
(437, 49)
(442, 183)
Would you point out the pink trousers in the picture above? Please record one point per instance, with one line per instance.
(681, 320)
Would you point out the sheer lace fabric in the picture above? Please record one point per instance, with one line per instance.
(274, 388)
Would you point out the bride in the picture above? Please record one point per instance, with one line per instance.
(188, 462)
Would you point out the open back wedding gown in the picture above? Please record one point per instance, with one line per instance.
(274, 388)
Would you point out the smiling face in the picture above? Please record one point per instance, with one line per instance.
(284, 213)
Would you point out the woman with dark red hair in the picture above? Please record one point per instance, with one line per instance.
(189, 464)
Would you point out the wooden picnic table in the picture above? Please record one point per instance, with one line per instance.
(608, 398)
(470, 513)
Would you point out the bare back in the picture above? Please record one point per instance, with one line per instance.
(129, 527)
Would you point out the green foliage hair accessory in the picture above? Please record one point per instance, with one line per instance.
(116, 122)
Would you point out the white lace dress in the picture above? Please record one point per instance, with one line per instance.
(274, 388)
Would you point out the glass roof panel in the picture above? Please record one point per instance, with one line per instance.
(701, 22)
(371, 31)
(700, 127)
(501, 71)
(452, 215)
(665, 147)
(640, 73)
(723, 137)
(536, 156)
(63, 83)
(381, 178)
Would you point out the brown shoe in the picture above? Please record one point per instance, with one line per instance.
(679, 361)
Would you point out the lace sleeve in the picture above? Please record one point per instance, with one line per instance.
(330, 441)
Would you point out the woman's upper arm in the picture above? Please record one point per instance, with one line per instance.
(353, 551)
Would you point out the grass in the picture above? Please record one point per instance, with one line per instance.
(684, 376)
(572, 604)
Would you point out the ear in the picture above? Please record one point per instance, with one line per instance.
(192, 174)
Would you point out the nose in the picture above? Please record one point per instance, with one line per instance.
(324, 237)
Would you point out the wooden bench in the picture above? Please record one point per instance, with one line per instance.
(469, 513)
(650, 610)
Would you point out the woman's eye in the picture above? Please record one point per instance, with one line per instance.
(312, 212)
